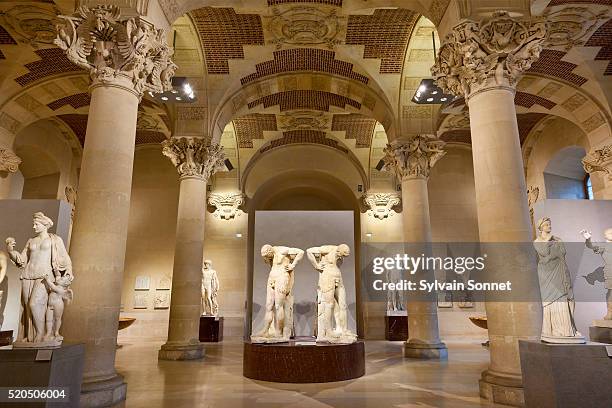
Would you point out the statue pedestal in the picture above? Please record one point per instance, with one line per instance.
(57, 368)
(396, 327)
(303, 361)
(211, 329)
(6, 338)
(565, 375)
(600, 334)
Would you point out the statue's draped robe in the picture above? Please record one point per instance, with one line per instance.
(555, 288)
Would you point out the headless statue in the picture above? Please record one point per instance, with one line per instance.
(3, 268)
(331, 294)
(278, 320)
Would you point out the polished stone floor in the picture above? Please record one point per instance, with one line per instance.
(217, 381)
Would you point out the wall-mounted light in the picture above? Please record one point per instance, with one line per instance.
(369, 234)
(429, 93)
(181, 92)
(228, 165)
(380, 165)
(238, 235)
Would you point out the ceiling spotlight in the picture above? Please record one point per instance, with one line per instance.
(164, 98)
(369, 234)
(178, 98)
(429, 93)
(238, 235)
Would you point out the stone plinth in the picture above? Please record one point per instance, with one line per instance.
(61, 367)
(294, 362)
(600, 334)
(396, 328)
(211, 329)
(565, 375)
(6, 337)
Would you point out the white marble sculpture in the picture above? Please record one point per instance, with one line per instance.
(331, 294)
(395, 297)
(210, 288)
(45, 285)
(278, 320)
(555, 287)
(606, 253)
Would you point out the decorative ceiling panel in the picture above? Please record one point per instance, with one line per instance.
(303, 137)
(358, 127)
(603, 38)
(252, 126)
(52, 61)
(305, 99)
(550, 64)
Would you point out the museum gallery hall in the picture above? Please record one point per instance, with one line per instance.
(306, 203)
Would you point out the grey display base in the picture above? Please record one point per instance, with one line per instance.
(60, 367)
(600, 334)
(566, 375)
(423, 351)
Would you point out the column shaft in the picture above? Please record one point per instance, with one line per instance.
(185, 308)
(503, 217)
(99, 238)
(424, 338)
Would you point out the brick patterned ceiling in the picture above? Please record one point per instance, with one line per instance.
(76, 101)
(337, 3)
(305, 99)
(550, 64)
(5, 37)
(603, 38)
(562, 2)
(304, 59)
(223, 33)
(457, 135)
(252, 126)
(527, 100)
(526, 122)
(52, 61)
(358, 127)
(303, 137)
(149, 136)
(385, 35)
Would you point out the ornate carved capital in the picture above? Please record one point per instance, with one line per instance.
(193, 158)
(599, 160)
(495, 52)
(226, 204)
(413, 158)
(380, 205)
(120, 51)
(9, 161)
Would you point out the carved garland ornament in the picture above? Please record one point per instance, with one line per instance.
(9, 161)
(599, 160)
(193, 158)
(117, 50)
(381, 204)
(495, 52)
(226, 204)
(413, 158)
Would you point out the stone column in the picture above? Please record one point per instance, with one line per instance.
(412, 161)
(483, 62)
(125, 58)
(9, 163)
(599, 162)
(195, 163)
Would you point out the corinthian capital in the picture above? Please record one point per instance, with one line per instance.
(9, 161)
(128, 52)
(489, 53)
(599, 160)
(415, 157)
(193, 158)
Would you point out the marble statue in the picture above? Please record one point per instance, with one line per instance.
(606, 253)
(278, 320)
(395, 297)
(331, 294)
(555, 287)
(210, 288)
(45, 285)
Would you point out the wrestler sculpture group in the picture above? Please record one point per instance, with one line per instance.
(332, 310)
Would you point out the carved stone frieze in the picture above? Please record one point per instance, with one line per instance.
(71, 196)
(303, 119)
(380, 205)
(306, 26)
(127, 52)
(572, 26)
(226, 204)
(9, 161)
(413, 158)
(599, 160)
(31, 24)
(494, 52)
(193, 158)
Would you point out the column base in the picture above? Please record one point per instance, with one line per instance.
(181, 351)
(502, 389)
(106, 393)
(425, 351)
